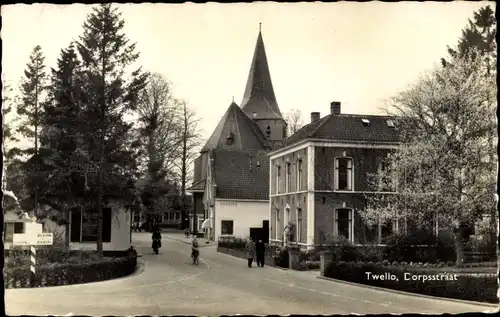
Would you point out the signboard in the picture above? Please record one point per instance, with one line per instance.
(20, 239)
(33, 228)
(43, 239)
(36, 239)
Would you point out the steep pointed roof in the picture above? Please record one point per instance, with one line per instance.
(243, 132)
(259, 101)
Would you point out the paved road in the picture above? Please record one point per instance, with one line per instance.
(169, 284)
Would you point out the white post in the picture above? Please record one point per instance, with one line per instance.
(33, 264)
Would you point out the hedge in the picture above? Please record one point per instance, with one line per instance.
(70, 273)
(475, 287)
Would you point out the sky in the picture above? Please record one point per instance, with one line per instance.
(360, 54)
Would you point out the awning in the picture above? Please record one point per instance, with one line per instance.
(207, 224)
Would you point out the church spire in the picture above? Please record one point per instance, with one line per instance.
(259, 101)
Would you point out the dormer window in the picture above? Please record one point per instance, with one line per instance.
(366, 122)
(230, 138)
(390, 123)
(254, 114)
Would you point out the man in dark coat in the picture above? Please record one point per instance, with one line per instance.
(260, 250)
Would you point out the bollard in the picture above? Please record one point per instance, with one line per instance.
(33, 265)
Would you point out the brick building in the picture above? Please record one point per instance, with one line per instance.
(231, 188)
(319, 177)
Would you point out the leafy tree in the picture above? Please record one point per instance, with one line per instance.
(106, 54)
(478, 42)
(294, 121)
(30, 109)
(443, 165)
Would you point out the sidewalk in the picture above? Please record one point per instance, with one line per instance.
(181, 237)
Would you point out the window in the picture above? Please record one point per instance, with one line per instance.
(277, 225)
(84, 225)
(299, 175)
(230, 138)
(11, 228)
(288, 178)
(387, 177)
(90, 224)
(366, 122)
(390, 123)
(343, 224)
(343, 174)
(226, 227)
(268, 131)
(299, 225)
(386, 230)
(278, 176)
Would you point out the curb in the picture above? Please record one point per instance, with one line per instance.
(408, 293)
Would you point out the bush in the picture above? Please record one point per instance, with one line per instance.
(281, 258)
(372, 253)
(466, 287)
(70, 273)
(309, 255)
(343, 250)
(419, 246)
(234, 243)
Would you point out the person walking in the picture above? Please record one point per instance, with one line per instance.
(250, 251)
(260, 250)
(156, 240)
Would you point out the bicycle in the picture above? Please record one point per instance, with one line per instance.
(195, 257)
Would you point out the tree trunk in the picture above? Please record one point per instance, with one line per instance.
(37, 161)
(101, 156)
(100, 197)
(184, 168)
(459, 246)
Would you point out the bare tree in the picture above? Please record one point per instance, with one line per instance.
(294, 121)
(160, 124)
(191, 140)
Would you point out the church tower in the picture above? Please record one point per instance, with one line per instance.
(259, 101)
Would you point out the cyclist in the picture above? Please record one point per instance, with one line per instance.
(195, 253)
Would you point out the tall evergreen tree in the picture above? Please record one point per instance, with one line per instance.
(30, 109)
(106, 53)
(477, 40)
(61, 135)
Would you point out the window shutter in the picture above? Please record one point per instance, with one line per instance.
(76, 224)
(106, 224)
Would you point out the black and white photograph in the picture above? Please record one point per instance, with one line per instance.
(258, 158)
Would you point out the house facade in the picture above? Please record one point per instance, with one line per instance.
(231, 188)
(319, 178)
(116, 233)
(81, 232)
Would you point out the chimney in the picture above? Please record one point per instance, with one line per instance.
(315, 116)
(335, 107)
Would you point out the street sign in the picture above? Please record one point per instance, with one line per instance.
(20, 239)
(43, 239)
